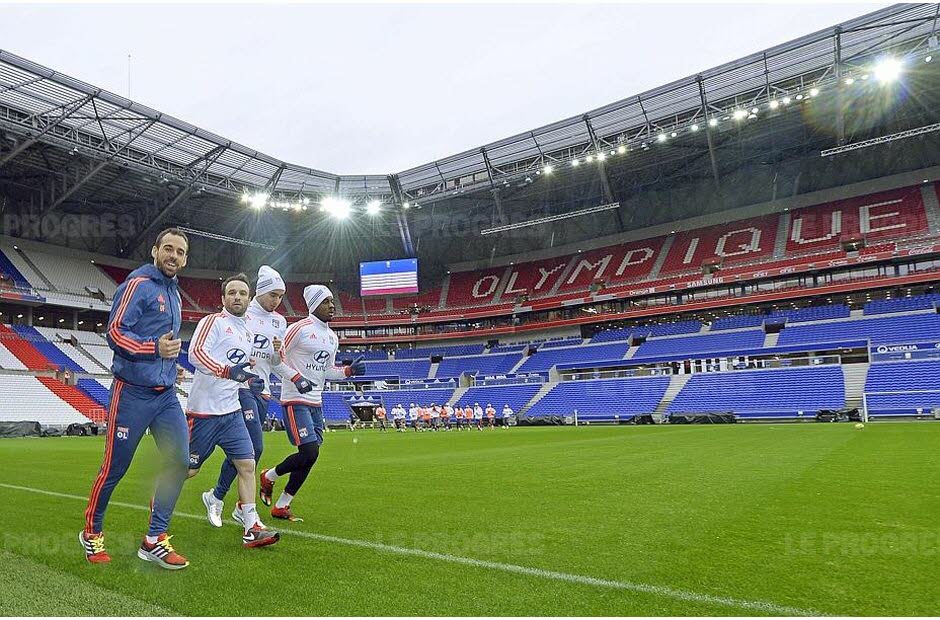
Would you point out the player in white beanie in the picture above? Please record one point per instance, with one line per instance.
(268, 329)
(310, 346)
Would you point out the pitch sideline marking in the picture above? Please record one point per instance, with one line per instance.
(662, 591)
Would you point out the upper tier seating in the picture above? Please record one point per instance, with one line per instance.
(883, 330)
(70, 274)
(748, 339)
(492, 364)
(919, 375)
(8, 269)
(738, 321)
(812, 313)
(901, 304)
(763, 393)
(602, 400)
(407, 369)
(542, 361)
(446, 351)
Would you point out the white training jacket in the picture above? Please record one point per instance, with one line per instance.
(265, 327)
(220, 340)
(310, 348)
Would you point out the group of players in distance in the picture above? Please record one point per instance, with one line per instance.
(436, 417)
(234, 353)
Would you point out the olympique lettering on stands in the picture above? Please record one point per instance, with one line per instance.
(893, 214)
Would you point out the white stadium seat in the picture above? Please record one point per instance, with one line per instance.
(25, 398)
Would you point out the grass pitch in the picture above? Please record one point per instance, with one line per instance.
(708, 520)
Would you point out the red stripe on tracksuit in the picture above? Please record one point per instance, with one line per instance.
(293, 423)
(106, 466)
(126, 342)
(292, 331)
(200, 354)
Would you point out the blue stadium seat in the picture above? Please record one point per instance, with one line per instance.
(405, 397)
(614, 335)
(48, 350)
(763, 393)
(901, 304)
(492, 364)
(407, 369)
(673, 329)
(516, 396)
(97, 392)
(422, 353)
(602, 400)
(901, 376)
(543, 360)
(738, 321)
(750, 339)
(812, 313)
(882, 330)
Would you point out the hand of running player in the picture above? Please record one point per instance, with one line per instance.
(358, 367)
(239, 372)
(169, 347)
(277, 344)
(180, 374)
(302, 383)
(256, 386)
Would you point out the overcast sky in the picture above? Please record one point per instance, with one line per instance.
(378, 89)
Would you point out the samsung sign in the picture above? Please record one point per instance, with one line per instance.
(914, 350)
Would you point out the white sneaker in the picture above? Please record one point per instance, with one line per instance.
(213, 508)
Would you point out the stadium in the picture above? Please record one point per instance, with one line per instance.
(706, 318)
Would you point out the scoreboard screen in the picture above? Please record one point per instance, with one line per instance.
(388, 277)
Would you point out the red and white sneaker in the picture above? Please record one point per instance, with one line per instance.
(162, 553)
(259, 536)
(286, 514)
(93, 544)
(265, 489)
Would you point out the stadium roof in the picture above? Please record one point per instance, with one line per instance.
(41, 105)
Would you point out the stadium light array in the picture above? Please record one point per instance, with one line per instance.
(337, 207)
(888, 70)
(713, 122)
(548, 169)
(601, 157)
(739, 114)
(661, 137)
(575, 163)
(813, 92)
(374, 207)
(774, 104)
(621, 149)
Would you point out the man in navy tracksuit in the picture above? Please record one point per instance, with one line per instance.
(143, 332)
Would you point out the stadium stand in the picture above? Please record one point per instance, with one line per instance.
(914, 376)
(745, 339)
(49, 351)
(350, 355)
(602, 400)
(812, 313)
(492, 364)
(15, 275)
(407, 369)
(901, 304)
(882, 330)
(24, 350)
(28, 398)
(771, 393)
(738, 321)
(423, 397)
(516, 396)
(542, 361)
(8, 361)
(448, 351)
(69, 274)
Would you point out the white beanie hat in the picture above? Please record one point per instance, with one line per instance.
(269, 280)
(315, 294)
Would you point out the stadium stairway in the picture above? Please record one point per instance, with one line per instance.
(91, 357)
(631, 351)
(676, 383)
(855, 377)
(458, 394)
(32, 265)
(770, 340)
(79, 401)
(432, 372)
(545, 389)
(24, 351)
